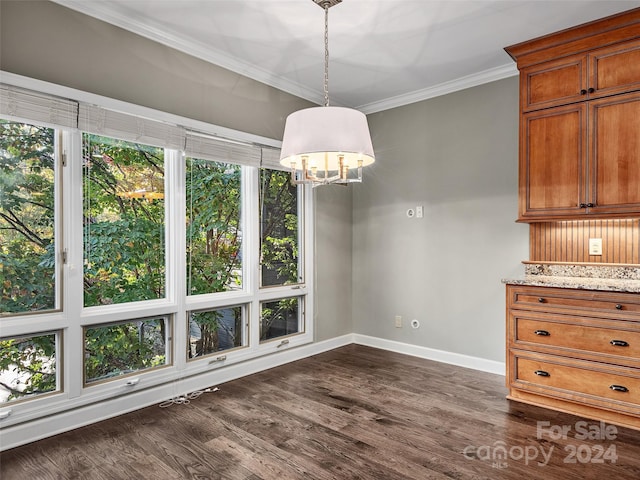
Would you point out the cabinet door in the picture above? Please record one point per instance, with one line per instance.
(615, 69)
(553, 83)
(552, 163)
(615, 154)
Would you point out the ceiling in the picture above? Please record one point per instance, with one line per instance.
(383, 53)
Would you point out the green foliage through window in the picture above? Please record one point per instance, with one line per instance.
(123, 222)
(27, 218)
(123, 348)
(123, 211)
(279, 224)
(214, 234)
(212, 331)
(279, 318)
(27, 367)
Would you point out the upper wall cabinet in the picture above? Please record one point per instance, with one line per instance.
(580, 121)
(606, 71)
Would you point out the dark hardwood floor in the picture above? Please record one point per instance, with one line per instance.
(351, 413)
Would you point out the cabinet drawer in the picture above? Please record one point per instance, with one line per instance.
(586, 382)
(578, 337)
(567, 301)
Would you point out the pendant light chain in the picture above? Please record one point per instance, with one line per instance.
(326, 54)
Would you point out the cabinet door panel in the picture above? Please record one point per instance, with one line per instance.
(615, 154)
(553, 83)
(552, 165)
(615, 69)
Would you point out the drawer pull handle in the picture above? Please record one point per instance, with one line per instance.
(618, 306)
(619, 343)
(542, 373)
(618, 388)
(541, 300)
(542, 333)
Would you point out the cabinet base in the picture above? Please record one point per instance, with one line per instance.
(565, 406)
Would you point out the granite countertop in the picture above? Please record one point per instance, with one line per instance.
(613, 278)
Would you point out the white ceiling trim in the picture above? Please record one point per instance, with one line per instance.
(462, 83)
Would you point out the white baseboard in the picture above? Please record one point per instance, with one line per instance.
(23, 433)
(458, 359)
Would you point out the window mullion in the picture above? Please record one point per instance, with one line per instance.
(251, 248)
(175, 235)
(73, 269)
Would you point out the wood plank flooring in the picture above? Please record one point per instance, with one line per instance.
(351, 413)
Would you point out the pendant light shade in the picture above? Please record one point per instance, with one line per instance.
(323, 145)
(323, 135)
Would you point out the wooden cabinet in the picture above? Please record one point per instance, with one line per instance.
(581, 159)
(576, 351)
(614, 155)
(580, 121)
(553, 170)
(602, 72)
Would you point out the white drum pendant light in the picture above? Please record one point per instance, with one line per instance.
(322, 145)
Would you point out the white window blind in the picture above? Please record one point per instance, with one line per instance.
(110, 123)
(206, 147)
(271, 159)
(30, 106)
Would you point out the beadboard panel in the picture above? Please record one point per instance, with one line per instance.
(568, 241)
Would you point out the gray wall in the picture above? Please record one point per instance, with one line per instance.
(457, 155)
(333, 261)
(46, 41)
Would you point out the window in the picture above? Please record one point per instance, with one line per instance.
(214, 227)
(280, 318)
(215, 330)
(279, 229)
(155, 249)
(28, 366)
(28, 263)
(126, 347)
(124, 254)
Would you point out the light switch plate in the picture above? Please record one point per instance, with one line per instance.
(595, 246)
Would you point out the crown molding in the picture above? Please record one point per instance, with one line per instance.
(486, 76)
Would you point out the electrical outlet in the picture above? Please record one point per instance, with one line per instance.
(595, 246)
(398, 321)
